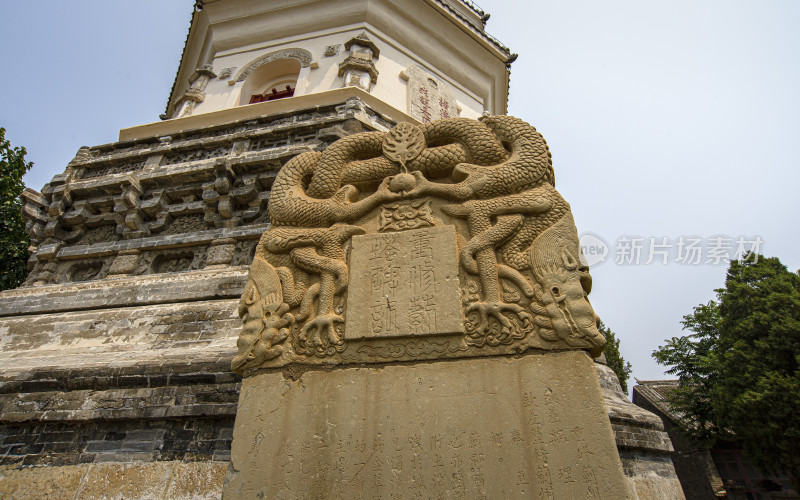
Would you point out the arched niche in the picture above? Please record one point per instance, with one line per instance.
(301, 55)
(271, 78)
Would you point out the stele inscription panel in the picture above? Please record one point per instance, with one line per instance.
(404, 284)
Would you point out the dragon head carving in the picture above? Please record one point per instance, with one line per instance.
(561, 289)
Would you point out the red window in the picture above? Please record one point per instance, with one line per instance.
(271, 96)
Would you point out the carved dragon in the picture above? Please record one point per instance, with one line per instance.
(497, 175)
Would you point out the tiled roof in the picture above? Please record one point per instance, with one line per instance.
(474, 7)
(198, 5)
(656, 392)
(480, 31)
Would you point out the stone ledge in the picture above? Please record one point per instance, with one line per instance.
(153, 374)
(129, 480)
(125, 292)
(164, 241)
(252, 111)
(182, 338)
(640, 438)
(315, 117)
(121, 404)
(634, 428)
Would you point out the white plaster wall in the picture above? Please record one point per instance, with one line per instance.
(322, 74)
(232, 33)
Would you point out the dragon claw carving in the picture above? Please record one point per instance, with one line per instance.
(482, 329)
(321, 331)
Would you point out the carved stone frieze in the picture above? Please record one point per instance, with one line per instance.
(331, 50)
(177, 261)
(125, 263)
(418, 243)
(110, 169)
(196, 154)
(221, 252)
(225, 73)
(163, 191)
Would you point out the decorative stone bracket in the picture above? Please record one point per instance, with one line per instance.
(195, 94)
(358, 69)
(218, 193)
(34, 209)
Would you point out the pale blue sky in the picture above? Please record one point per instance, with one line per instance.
(665, 119)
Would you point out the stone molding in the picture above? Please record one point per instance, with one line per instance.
(301, 55)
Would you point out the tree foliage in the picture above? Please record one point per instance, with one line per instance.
(14, 240)
(739, 368)
(614, 359)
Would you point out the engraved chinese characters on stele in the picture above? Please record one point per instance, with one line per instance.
(404, 284)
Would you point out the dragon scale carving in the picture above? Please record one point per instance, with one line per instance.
(520, 278)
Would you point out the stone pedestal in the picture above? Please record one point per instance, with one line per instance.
(644, 447)
(532, 426)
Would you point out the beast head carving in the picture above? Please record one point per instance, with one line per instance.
(571, 318)
(562, 285)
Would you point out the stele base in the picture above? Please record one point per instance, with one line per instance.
(532, 426)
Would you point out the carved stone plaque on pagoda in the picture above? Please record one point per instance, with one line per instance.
(442, 241)
(429, 98)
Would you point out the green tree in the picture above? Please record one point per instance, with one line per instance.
(14, 241)
(739, 369)
(614, 359)
(692, 358)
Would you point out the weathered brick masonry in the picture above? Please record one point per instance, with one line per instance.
(690, 461)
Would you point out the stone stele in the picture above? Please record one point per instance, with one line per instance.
(480, 428)
(390, 253)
